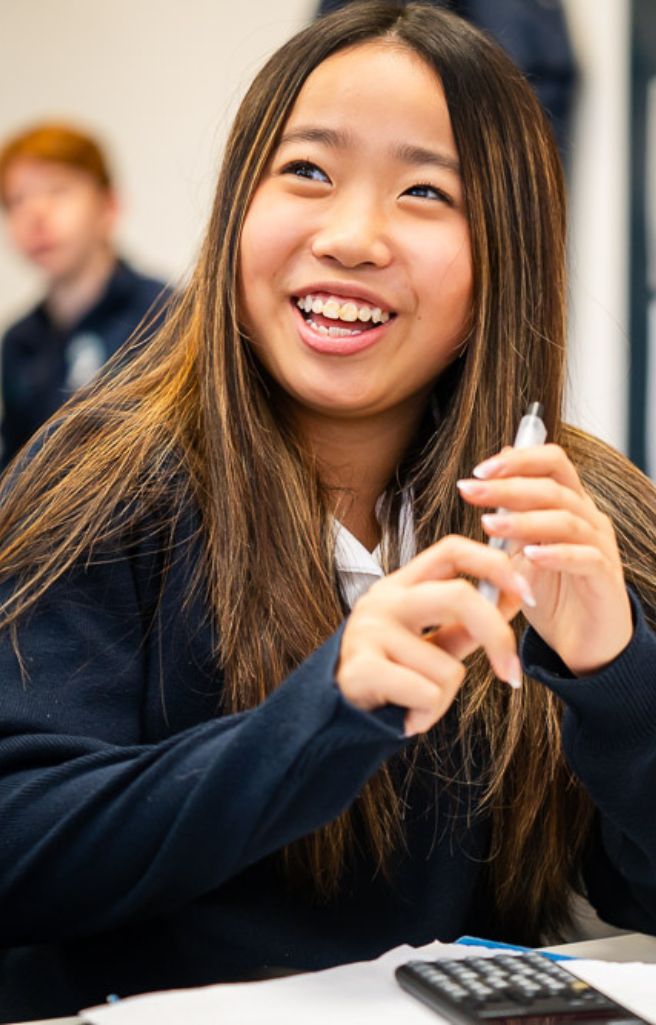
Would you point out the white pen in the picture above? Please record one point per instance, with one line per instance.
(531, 431)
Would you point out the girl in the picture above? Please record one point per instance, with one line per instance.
(245, 728)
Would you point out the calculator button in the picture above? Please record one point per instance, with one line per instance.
(482, 964)
(451, 989)
(496, 984)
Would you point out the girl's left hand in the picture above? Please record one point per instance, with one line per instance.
(564, 546)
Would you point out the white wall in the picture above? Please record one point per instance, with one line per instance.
(159, 80)
(599, 211)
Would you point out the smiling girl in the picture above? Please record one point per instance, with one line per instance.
(233, 740)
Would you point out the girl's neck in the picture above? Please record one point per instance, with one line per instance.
(357, 458)
(70, 297)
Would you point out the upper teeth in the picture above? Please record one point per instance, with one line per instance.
(349, 311)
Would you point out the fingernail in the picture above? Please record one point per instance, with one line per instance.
(532, 551)
(514, 672)
(470, 487)
(487, 468)
(525, 590)
(495, 520)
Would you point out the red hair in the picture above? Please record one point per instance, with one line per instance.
(57, 144)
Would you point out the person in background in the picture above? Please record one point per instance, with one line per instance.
(255, 714)
(60, 210)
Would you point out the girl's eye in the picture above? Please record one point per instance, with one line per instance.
(305, 169)
(429, 192)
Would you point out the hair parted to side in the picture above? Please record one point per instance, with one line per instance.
(56, 143)
(191, 416)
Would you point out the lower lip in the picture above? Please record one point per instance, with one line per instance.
(345, 346)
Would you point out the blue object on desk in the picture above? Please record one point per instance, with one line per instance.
(476, 941)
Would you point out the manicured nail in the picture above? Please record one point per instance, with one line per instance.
(488, 468)
(514, 672)
(495, 520)
(525, 591)
(470, 487)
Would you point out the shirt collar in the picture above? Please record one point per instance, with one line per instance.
(351, 556)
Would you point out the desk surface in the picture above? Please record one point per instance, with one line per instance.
(630, 946)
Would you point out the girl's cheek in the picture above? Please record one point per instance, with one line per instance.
(271, 233)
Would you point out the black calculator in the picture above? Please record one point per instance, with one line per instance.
(509, 989)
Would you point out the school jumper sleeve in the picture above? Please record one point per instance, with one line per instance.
(609, 738)
(100, 826)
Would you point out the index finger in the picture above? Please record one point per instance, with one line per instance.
(454, 555)
(535, 461)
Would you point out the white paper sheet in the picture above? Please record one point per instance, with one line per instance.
(365, 992)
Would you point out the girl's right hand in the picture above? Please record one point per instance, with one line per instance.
(384, 659)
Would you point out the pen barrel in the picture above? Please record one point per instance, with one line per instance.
(499, 542)
(531, 431)
(488, 590)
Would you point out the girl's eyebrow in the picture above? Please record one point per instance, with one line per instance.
(334, 137)
(418, 155)
(405, 152)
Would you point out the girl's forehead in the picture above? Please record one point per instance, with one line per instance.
(367, 64)
(368, 85)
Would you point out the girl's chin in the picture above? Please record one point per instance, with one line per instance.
(335, 405)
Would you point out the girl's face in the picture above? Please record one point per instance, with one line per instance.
(355, 262)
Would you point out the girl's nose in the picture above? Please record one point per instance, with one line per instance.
(353, 234)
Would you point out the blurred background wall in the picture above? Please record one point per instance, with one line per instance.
(158, 82)
(599, 220)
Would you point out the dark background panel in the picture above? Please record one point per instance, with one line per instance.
(642, 277)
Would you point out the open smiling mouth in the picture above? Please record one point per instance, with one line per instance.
(340, 318)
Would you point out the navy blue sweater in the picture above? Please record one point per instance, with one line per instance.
(138, 828)
(43, 364)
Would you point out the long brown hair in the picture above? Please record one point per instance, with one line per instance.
(190, 417)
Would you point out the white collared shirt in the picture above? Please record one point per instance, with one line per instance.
(357, 567)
